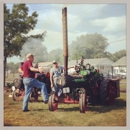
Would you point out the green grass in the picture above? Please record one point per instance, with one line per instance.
(65, 115)
(123, 86)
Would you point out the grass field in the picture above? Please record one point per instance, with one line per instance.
(65, 115)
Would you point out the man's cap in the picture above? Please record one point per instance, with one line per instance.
(54, 62)
(28, 55)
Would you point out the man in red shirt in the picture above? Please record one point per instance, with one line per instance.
(28, 72)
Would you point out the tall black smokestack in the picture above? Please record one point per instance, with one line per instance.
(65, 39)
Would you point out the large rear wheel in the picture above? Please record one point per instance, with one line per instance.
(103, 90)
(111, 92)
(107, 92)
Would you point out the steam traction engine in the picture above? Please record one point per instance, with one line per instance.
(18, 88)
(88, 86)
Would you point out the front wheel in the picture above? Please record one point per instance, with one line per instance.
(18, 95)
(34, 95)
(82, 101)
(53, 101)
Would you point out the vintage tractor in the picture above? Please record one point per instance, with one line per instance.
(18, 89)
(88, 86)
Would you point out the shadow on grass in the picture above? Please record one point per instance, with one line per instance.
(119, 104)
(40, 110)
(8, 125)
(68, 109)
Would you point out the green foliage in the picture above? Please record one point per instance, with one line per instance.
(89, 46)
(115, 56)
(12, 66)
(119, 54)
(56, 54)
(16, 25)
(92, 46)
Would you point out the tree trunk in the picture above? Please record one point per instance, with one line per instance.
(5, 60)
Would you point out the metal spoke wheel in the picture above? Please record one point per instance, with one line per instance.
(53, 104)
(103, 90)
(107, 92)
(18, 95)
(17, 82)
(34, 95)
(82, 101)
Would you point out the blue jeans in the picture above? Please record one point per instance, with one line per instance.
(55, 84)
(29, 83)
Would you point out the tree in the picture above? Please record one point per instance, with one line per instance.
(109, 55)
(115, 56)
(16, 26)
(119, 54)
(89, 46)
(56, 54)
(12, 66)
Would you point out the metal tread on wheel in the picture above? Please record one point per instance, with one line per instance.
(52, 103)
(17, 95)
(82, 101)
(33, 95)
(103, 92)
(108, 91)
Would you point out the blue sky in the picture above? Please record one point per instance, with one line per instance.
(106, 19)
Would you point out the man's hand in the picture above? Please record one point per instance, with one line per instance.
(52, 85)
(21, 71)
(53, 89)
(40, 70)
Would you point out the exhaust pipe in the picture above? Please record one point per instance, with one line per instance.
(65, 39)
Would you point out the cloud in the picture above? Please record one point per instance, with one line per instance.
(81, 17)
(116, 46)
(111, 23)
(54, 39)
(116, 42)
(52, 20)
(84, 11)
